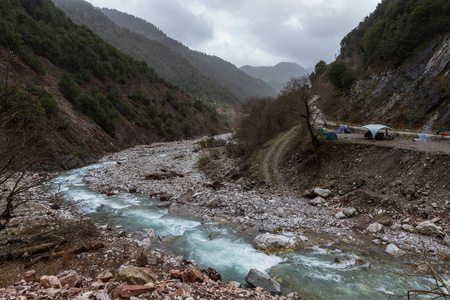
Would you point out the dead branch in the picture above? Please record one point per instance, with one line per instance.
(63, 253)
(30, 250)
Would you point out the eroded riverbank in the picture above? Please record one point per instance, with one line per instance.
(188, 192)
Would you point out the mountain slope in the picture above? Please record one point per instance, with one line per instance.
(223, 72)
(394, 67)
(86, 95)
(167, 63)
(277, 75)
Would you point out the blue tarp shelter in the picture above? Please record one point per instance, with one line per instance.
(343, 129)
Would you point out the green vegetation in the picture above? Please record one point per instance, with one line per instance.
(339, 75)
(395, 29)
(36, 28)
(172, 66)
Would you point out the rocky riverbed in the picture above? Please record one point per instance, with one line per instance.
(181, 186)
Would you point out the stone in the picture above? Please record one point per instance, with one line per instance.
(165, 237)
(149, 232)
(394, 250)
(128, 291)
(349, 211)
(359, 262)
(105, 276)
(340, 215)
(294, 296)
(50, 282)
(101, 295)
(192, 274)
(206, 218)
(428, 227)
(212, 273)
(30, 276)
(184, 291)
(383, 220)
(213, 235)
(52, 292)
(269, 242)
(175, 274)
(186, 197)
(259, 279)
(31, 295)
(341, 259)
(136, 275)
(325, 193)
(374, 228)
(447, 239)
(165, 197)
(409, 228)
(235, 284)
(317, 201)
(165, 204)
(70, 279)
(309, 194)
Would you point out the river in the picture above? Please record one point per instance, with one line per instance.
(312, 272)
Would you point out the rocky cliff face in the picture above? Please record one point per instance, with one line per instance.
(415, 94)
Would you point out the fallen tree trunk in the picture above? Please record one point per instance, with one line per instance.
(30, 250)
(63, 253)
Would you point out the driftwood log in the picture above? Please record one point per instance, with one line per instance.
(63, 253)
(30, 250)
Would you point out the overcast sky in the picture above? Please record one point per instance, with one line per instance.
(254, 32)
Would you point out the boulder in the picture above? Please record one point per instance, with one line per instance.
(70, 279)
(394, 250)
(257, 278)
(165, 197)
(374, 228)
(192, 274)
(50, 282)
(268, 242)
(340, 215)
(30, 276)
(341, 259)
(212, 273)
(165, 237)
(105, 276)
(309, 194)
(317, 201)
(175, 274)
(325, 193)
(383, 219)
(235, 284)
(149, 233)
(428, 227)
(186, 197)
(349, 211)
(136, 275)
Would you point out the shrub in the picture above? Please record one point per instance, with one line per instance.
(203, 161)
(214, 154)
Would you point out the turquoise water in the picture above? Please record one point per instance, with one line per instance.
(312, 272)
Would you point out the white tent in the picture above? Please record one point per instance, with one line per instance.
(374, 128)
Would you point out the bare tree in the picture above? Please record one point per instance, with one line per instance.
(298, 97)
(22, 149)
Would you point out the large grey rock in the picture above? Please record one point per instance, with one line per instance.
(165, 236)
(325, 193)
(258, 278)
(428, 227)
(394, 250)
(136, 275)
(349, 211)
(340, 215)
(318, 200)
(274, 242)
(374, 227)
(70, 279)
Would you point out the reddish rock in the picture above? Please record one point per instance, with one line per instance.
(128, 291)
(192, 274)
(50, 282)
(31, 295)
(70, 279)
(30, 276)
(175, 274)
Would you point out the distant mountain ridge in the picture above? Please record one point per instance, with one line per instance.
(226, 74)
(276, 76)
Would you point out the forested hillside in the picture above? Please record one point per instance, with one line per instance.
(276, 76)
(393, 67)
(221, 71)
(167, 63)
(83, 95)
